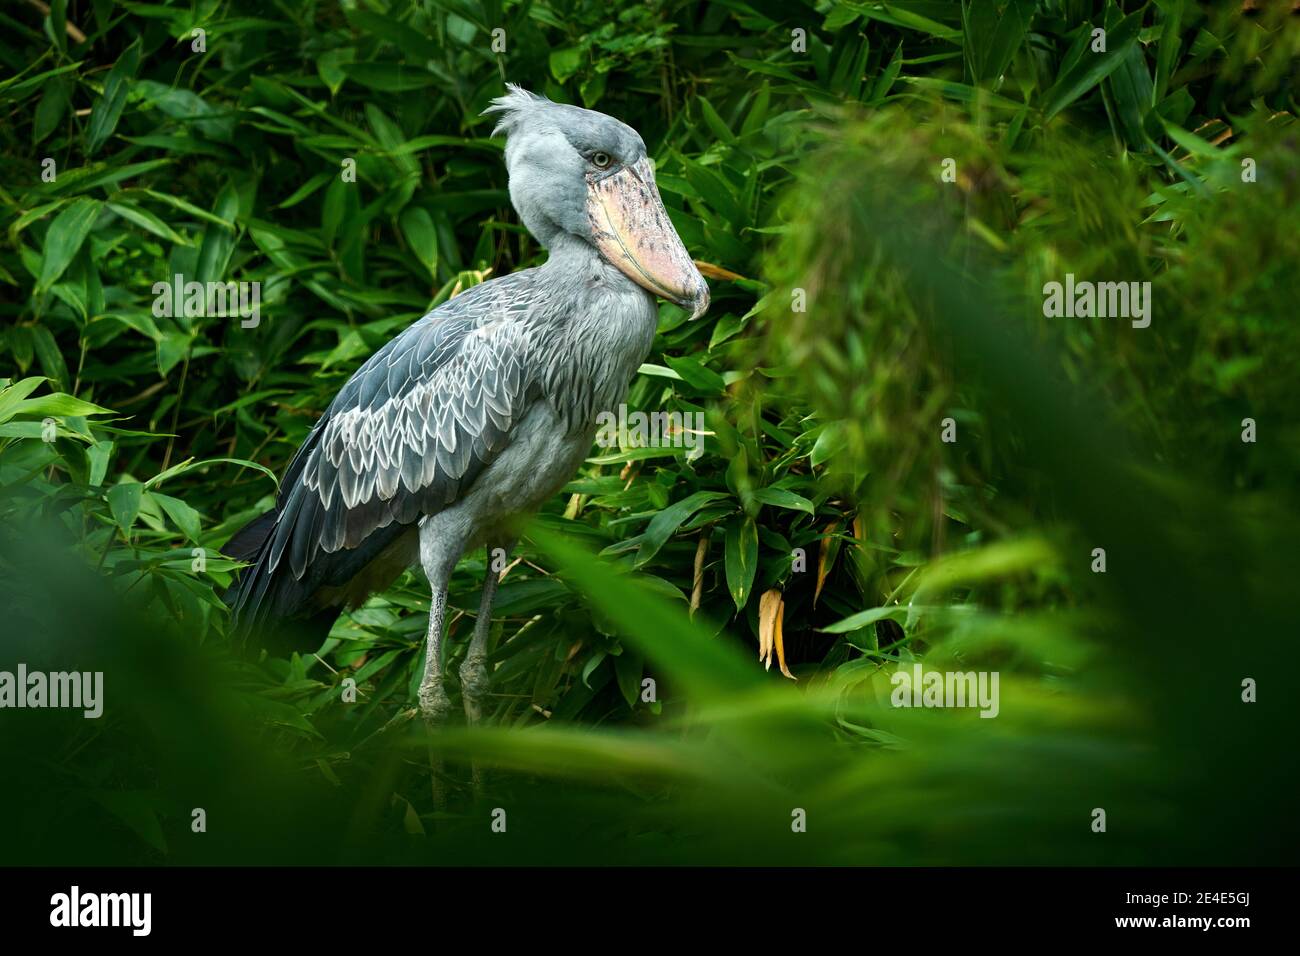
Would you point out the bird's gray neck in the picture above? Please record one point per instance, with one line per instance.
(603, 326)
(572, 258)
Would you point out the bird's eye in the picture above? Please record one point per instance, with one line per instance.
(600, 160)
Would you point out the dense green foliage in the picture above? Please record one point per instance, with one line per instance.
(860, 300)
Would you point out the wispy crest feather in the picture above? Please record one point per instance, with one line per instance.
(516, 103)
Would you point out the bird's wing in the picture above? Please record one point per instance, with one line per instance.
(412, 428)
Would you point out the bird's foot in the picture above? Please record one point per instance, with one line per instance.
(475, 679)
(435, 705)
(474, 683)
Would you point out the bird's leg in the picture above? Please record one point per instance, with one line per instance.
(434, 703)
(475, 679)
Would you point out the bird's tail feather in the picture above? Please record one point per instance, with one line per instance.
(274, 608)
(267, 608)
(245, 543)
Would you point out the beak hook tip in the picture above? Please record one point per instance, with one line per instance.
(700, 304)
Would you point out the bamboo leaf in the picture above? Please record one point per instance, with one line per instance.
(64, 238)
(106, 112)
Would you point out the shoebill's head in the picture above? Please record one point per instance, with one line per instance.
(582, 173)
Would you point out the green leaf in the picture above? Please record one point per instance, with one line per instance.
(330, 67)
(854, 622)
(124, 502)
(218, 241)
(997, 51)
(11, 397)
(715, 122)
(306, 189)
(171, 348)
(741, 558)
(661, 629)
(417, 227)
(50, 110)
(182, 515)
(1191, 142)
(830, 442)
(589, 668)
(961, 92)
(666, 522)
(186, 206)
(565, 62)
(187, 107)
(1130, 90)
(51, 358)
(190, 464)
(780, 498)
(108, 108)
(64, 238)
(56, 24)
(628, 669)
(147, 221)
(1167, 51)
(696, 375)
(1091, 68)
(887, 76)
(907, 19)
(15, 88)
(99, 454)
(59, 404)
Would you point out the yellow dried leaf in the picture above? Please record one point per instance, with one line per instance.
(779, 639)
(697, 581)
(822, 555)
(769, 609)
(709, 270)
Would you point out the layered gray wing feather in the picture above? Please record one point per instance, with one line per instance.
(413, 427)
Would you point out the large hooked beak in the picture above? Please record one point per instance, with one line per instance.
(632, 231)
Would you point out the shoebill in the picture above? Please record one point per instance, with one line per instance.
(483, 409)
